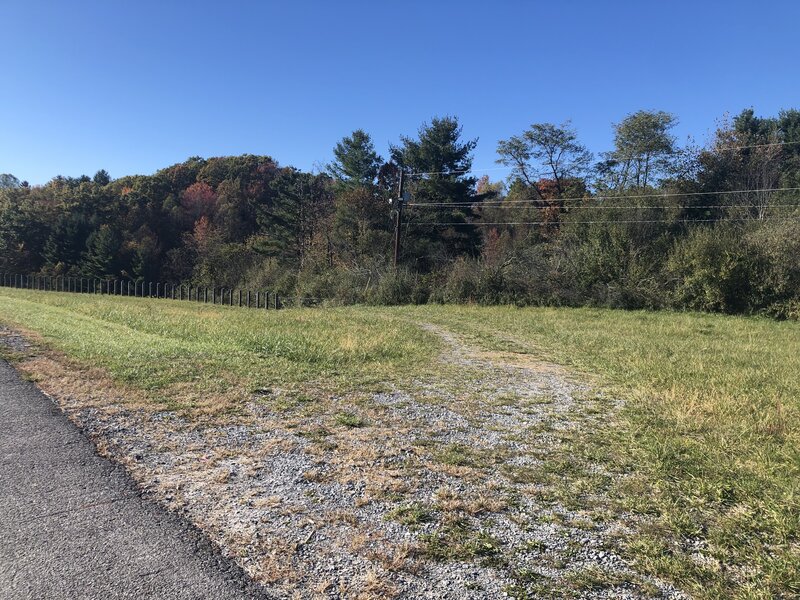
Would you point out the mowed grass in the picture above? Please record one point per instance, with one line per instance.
(708, 441)
(183, 353)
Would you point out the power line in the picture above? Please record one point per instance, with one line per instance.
(479, 224)
(511, 168)
(623, 197)
(643, 207)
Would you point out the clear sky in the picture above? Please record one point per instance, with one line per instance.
(136, 86)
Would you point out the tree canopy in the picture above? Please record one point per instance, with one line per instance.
(651, 224)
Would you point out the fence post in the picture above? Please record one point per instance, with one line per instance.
(277, 302)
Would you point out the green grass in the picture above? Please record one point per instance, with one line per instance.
(348, 419)
(162, 345)
(709, 438)
(710, 433)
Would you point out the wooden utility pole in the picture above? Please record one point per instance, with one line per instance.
(398, 219)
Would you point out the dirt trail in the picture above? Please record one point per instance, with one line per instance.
(472, 485)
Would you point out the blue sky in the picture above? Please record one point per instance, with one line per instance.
(132, 87)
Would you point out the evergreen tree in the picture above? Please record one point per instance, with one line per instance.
(102, 258)
(437, 165)
(355, 160)
(300, 202)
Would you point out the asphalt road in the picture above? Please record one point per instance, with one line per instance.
(72, 524)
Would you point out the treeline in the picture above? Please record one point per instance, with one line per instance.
(647, 224)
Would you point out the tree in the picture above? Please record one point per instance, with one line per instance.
(359, 226)
(555, 149)
(355, 160)
(8, 181)
(745, 155)
(289, 223)
(643, 151)
(199, 200)
(67, 241)
(438, 164)
(102, 177)
(102, 258)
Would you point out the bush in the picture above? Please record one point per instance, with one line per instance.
(784, 310)
(714, 269)
(778, 245)
(396, 287)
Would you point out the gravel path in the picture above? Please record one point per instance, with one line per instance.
(463, 487)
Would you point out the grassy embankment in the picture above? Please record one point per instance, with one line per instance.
(710, 437)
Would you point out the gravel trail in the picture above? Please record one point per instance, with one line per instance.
(460, 487)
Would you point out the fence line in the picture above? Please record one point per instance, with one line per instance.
(224, 296)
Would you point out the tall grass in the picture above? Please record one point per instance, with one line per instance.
(711, 432)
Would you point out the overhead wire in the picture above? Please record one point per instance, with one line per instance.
(640, 207)
(594, 222)
(624, 197)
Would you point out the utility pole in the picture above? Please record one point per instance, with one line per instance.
(398, 219)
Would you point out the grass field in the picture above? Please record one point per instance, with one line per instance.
(709, 438)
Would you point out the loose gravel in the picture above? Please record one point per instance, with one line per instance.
(434, 493)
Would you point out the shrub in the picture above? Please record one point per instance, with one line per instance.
(714, 269)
